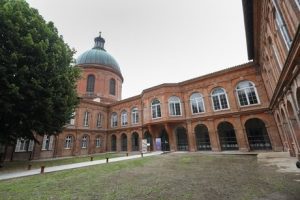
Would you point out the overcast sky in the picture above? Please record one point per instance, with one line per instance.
(154, 41)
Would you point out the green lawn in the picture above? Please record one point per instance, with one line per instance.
(23, 165)
(170, 176)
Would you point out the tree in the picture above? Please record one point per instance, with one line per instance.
(37, 80)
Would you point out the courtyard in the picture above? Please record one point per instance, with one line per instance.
(168, 176)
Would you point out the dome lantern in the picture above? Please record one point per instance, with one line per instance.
(99, 42)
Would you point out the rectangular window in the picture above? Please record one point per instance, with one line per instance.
(47, 142)
(98, 142)
(99, 120)
(282, 26)
(242, 98)
(223, 101)
(72, 120)
(86, 119)
(24, 145)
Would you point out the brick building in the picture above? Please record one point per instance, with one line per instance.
(253, 106)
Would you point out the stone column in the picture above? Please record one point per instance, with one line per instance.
(118, 135)
(129, 142)
(191, 136)
(241, 135)
(213, 136)
(172, 141)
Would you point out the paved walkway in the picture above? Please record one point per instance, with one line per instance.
(71, 166)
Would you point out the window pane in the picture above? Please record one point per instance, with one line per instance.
(216, 103)
(252, 96)
(194, 107)
(158, 111)
(223, 101)
(177, 109)
(242, 98)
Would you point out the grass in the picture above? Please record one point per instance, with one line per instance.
(23, 165)
(170, 176)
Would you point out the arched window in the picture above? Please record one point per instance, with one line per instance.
(68, 142)
(174, 106)
(219, 99)
(114, 120)
(99, 120)
(112, 86)
(134, 116)
(124, 118)
(98, 142)
(247, 93)
(197, 103)
(86, 118)
(84, 142)
(155, 108)
(90, 84)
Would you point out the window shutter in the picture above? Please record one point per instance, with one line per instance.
(51, 142)
(31, 144)
(44, 142)
(17, 149)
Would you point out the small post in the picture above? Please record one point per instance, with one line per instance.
(298, 164)
(92, 158)
(29, 167)
(142, 155)
(42, 169)
(127, 154)
(106, 159)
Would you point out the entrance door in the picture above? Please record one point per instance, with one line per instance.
(164, 141)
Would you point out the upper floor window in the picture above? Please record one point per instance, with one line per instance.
(68, 142)
(174, 106)
(86, 119)
(247, 93)
(281, 25)
(99, 120)
(155, 108)
(24, 145)
(47, 142)
(98, 142)
(114, 120)
(112, 86)
(197, 103)
(84, 142)
(298, 3)
(124, 118)
(90, 84)
(135, 116)
(72, 119)
(219, 99)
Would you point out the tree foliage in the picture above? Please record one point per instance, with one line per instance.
(37, 81)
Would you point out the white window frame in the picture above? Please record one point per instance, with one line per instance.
(86, 119)
(246, 93)
(114, 120)
(298, 3)
(99, 120)
(282, 26)
(124, 120)
(84, 142)
(98, 142)
(173, 102)
(72, 120)
(68, 142)
(134, 116)
(24, 145)
(47, 142)
(155, 107)
(197, 100)
(219, 99)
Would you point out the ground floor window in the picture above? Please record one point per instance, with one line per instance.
(227, 136)
(182, 141)
(202, 138)
(257, 134)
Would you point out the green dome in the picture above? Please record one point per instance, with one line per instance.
(98, 55)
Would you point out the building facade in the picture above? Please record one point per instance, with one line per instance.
(253, 106)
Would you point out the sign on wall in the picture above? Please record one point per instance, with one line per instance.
(158, 144)
(144, 145)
